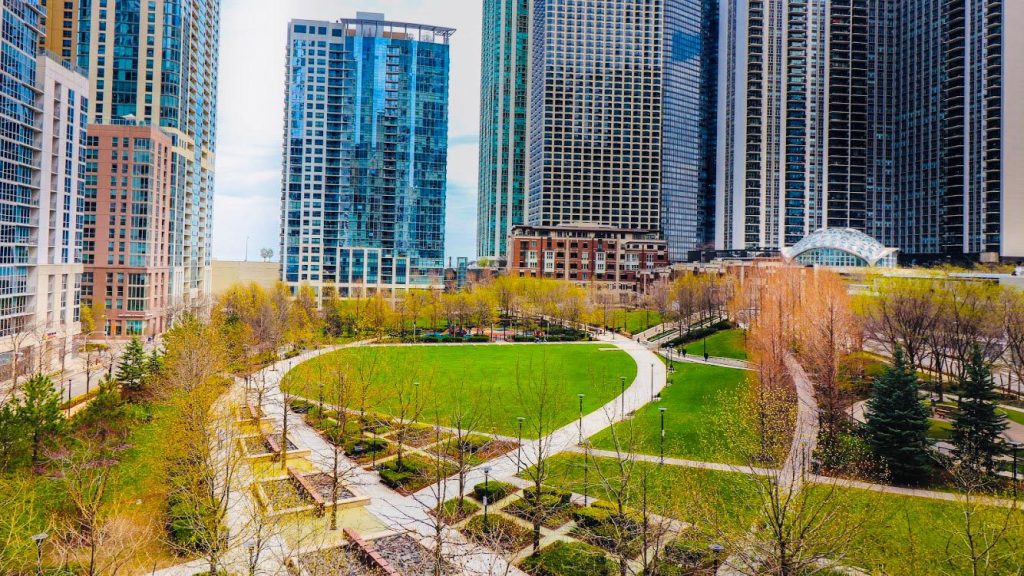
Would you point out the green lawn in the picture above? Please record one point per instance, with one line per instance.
(636, 321)
(487, 379)
(1015, 415)
(891, 534)
(688, 494)
(940, 429)
(901, 535)
(700, 418)
(723, 344)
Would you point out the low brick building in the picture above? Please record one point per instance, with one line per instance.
(625, 260)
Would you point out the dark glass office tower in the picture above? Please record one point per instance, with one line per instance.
(365, 155)
(503, 108)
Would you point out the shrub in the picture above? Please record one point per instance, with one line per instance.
(361, 446)
(395, 478)
(493, 489)
(591, 517)
(687, 554)
(568, 559)
(547, 494)
(478, 338)
(300, 406)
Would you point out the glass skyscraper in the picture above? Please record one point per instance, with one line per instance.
(503, 109)
(155, 63)
(20, 163)
(365, 155)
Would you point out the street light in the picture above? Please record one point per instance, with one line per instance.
(622, 394)
(717, 549)
(662, 410)
(38, 539)
(581, 418)
(652, 381)
(487, 478)
(519, 450)
(1015, 446)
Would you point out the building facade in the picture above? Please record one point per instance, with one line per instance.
(622, 260)
(793, 129)
(127, 228)
(64, 102)
(43, 106)
(61, 19)
(365, 155)
(503, 110)
(155, 63)
(894, 118)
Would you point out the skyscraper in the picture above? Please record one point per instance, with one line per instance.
(61, 17)
(891, 117)
(793, 146)
(365, 155)
(44, 105)
(503, 110)
(621, 124)
(155, 63)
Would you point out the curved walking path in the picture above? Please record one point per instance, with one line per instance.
(412, 514)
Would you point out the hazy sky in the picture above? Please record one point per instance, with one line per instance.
(251, 114)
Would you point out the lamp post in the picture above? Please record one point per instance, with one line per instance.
(705, 348)
(581, 418)
(250, 546)
(69, 397)
(487, 479)
(652, 381)
(1015, 446)
(662, 411)
(519, 450)
(716, 549)
(38, 539)
(622, 394)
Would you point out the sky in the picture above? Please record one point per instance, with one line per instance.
(253, 34)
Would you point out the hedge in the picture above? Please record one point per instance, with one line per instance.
(493, 489)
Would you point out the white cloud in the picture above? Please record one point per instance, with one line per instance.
(251, 112)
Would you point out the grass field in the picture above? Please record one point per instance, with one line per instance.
(940, 429)
(688, 494)
(487, 379)
(891, 534)
(906, 536)
(1015, 416)
(700, 417)
(635, 321)
(723, 344)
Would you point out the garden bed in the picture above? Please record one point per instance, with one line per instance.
(452, 513)
(418, 436)
(499, 532)
(555, 510)
(417, 472)
(284, 496)
(408, 556)
(569, 559)
(476, 448)
(338, 561)
(601, 525)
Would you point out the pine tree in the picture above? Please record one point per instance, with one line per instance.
(39, 410)
(897, 422)
(131, 370)
(978, 426)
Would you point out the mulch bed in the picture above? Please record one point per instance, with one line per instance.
(408, 556)
(340, 561)
(324, 485)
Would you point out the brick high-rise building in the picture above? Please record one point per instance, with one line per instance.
(127, 227)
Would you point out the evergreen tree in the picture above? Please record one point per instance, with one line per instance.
(978, 426)
(14, 439)
(39, 411)
(131, 370)
(897, 422)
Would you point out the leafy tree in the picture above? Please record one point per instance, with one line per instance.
(897, 421)
(131, 371)
(39, 410)
(978, 425)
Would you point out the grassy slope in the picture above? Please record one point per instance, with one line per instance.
(723, 344)
(484, 375)
(699, 417)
